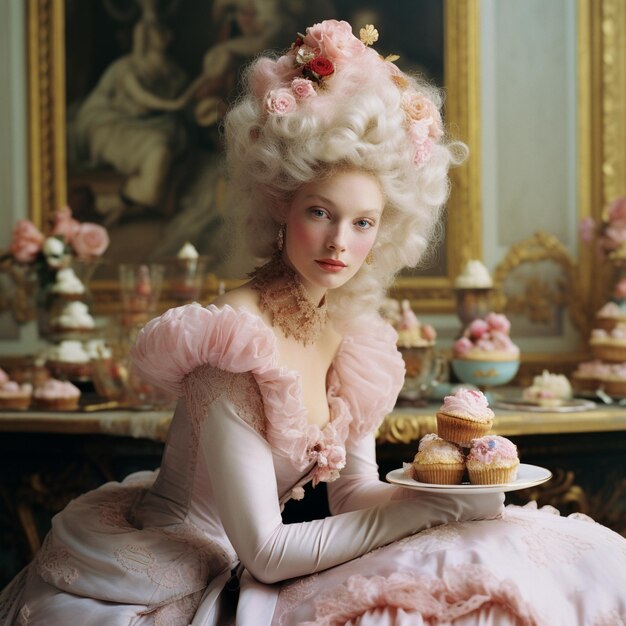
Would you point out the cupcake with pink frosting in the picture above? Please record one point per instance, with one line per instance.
(57, 395)
(464, 416)
(487, 340)
(492, 460)
(438, 461)
(412, 333)
(14, 396)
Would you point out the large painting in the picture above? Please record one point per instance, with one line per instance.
(146, 85)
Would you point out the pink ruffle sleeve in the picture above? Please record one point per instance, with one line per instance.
(183, 338)
(368, 374)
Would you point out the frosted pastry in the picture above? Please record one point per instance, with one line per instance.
(474, 276)
(57, 395)
(548, 390)
(464, 416)
(411, 333)
(438, 461)
(74, 316)
(67, 284)
(492, 460)
(14, 396)
(487, 340)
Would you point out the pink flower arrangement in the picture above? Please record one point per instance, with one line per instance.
(48, 252)
(610, 234)
(329, 54)
(330, 458)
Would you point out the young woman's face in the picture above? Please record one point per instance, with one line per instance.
(331, 226)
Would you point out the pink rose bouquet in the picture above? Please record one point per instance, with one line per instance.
(610, 234)
(45, 253)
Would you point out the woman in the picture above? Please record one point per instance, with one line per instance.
(342, 169)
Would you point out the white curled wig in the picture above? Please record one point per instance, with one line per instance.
(295, 124)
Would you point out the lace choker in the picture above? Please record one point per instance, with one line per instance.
(282, 294)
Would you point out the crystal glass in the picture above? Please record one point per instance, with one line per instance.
(472, 303)
(186, 278)
(140, 287)
(425, 368)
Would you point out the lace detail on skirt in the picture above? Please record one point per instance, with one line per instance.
(10, 597)
(207, 384)
(55, 562)
(293, 595)
(178, 613)
(461, 592)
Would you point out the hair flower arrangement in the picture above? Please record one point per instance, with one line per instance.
(610, 233)
(319, 56)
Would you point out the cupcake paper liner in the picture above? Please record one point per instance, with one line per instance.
(460, 431)
(440, 473)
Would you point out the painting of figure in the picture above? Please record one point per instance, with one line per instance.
(148, 83)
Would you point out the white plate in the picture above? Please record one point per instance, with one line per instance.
(569, 406)
(527, 476)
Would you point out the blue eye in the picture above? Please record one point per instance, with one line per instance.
(363, 224)
(317, 212)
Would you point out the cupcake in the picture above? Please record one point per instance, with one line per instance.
(411, 333)
(67, 285)
(14, 396)
(438, 461)
(73, 318)
(57, 395)
(69, 360)
(464, 416)
(492, 460)
(609, 346)
(474, 276)
(549, 390)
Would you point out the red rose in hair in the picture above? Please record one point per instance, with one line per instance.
(321, 66)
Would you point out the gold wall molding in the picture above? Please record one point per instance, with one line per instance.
(602, 172)
(462, 70)
(46, 108)
(543, 246)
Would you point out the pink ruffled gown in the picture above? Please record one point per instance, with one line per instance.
(159, 548)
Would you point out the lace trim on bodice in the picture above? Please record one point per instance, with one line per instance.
(207, 384)
(364, 378)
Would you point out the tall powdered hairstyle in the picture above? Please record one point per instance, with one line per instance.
(331, 102)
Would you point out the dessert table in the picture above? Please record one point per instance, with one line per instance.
(47, 458)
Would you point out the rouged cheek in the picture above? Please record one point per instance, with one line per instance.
(360, 246)
(304, 234)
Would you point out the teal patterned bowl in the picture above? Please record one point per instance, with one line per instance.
(485, 373)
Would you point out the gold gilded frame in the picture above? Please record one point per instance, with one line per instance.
(601, 134)
(48, 152)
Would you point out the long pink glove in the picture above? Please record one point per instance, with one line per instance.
(241, 467)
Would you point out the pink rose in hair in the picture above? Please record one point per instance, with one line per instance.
(280, 101)
(90, 241)
(422, 153)
(497, 321)
(335, 40)
(64, 225)
(302, 88)
(422, 109)
(321, 66)
(26, 241)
